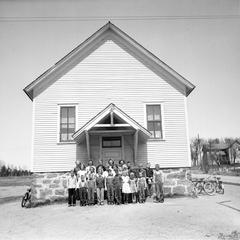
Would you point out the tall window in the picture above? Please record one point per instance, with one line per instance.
(67, 123)
(154, 120)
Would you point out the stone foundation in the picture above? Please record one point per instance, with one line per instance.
(49, 188)
(52, 187)
(176, 182)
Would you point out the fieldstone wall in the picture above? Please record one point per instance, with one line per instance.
(176, 182)
(52, 187)
(49, 188)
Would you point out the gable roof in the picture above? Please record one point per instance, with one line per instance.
(101, 115)
(99, 36)
(220, 146)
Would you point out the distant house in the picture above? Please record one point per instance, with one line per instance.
(222, 153)
(108, 98)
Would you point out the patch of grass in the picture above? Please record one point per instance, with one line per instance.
(10, 199)
(234, 235)
(15, 181)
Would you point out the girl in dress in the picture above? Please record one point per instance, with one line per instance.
(125, 187)
(133, 187)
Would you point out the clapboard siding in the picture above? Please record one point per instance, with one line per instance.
(110, 74)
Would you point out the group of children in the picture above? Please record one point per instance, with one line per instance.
(119, 184)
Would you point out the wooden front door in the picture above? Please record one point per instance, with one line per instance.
(111, 148)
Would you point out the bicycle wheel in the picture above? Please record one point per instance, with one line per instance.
(209, 188)
(24, 200)
(198, 187)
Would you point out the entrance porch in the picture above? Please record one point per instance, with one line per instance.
(112, 134)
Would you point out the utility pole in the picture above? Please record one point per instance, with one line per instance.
(198, 150)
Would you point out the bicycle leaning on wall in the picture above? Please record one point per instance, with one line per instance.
(26, 199)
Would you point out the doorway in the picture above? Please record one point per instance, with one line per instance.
(111, 148)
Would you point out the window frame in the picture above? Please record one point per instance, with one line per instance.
(161, 104)
(112, 139)
(59, 122)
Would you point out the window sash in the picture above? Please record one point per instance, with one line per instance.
(154, 120)
(67, 123)
(111, 142)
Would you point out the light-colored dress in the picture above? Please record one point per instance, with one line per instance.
(133, 185)
(125, 184)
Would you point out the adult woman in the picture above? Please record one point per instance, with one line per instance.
(100, 165)
(120, 166)
(111, 163)
(90, 165)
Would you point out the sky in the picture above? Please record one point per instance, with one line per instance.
(199, 39)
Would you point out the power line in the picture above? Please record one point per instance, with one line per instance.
(124, 18)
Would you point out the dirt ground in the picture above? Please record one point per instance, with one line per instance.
(178, 218)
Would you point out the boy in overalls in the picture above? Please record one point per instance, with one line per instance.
(117, 185)
(91, 185)
(110, 188)
(158, 184)
(141, 186)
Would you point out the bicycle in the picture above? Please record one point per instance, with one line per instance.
(26, 199)
(218, 184)
(204, 184)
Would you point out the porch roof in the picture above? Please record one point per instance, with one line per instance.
(111, 110)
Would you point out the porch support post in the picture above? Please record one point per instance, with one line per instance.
(135, 147)
(111, 118)
(88, 145)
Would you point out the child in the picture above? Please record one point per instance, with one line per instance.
(77, 187)
(117, 186)
(82, 171)
(82, 185)
(141, 186)
(109, 187)
(149, 175)
(158, 184)
(91, 185)
(71, 185)
(100, 184)
(133, 187)
(125, 185)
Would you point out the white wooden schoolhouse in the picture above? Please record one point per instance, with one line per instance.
(108, 98)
